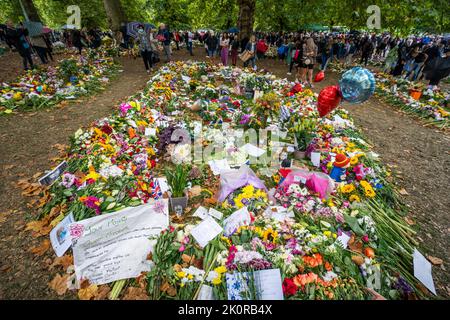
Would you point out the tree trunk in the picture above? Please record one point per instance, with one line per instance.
(246, 17)
(114, 12)
(31, 10)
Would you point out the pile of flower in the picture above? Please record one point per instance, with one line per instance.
(46, 86)
(432, 104)
(329, 240)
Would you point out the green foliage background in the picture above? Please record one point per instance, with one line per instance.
(400, 17)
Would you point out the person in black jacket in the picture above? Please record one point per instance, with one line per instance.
(211, 43)
(17, 38)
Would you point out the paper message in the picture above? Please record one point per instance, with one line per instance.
(218, 166)
(239, 218)
(201, 212)
(215, 213)
(422, 271)
(267, 284)
(60, 237)
(163, 184)
(315, 159)
(343, 240)
(150, 132)
(206, 293)
(205, 231)
(252, 150)
(115, 246)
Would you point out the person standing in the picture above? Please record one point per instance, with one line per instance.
(310, 55)
(17, 38)
(164, 36)
(367, 50)
(177, 39)
(146, 47)
(40, 46)
(211, 44)
(251, 47)
(224, 45)
(234, 50)
(77, 39)
(189, 40)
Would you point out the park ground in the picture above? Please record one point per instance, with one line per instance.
(417, 154)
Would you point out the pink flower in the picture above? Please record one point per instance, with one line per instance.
(182, 248)
(365, 238)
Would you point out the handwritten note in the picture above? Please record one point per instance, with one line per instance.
(343, 240)
(237, 219)
(315, 159)
(201, 212)
(218, 166)
(115, 246)
(267, 284)
(59, 236)
(205, 231)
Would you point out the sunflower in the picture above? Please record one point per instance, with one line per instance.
(348, 188)
(369, 192)
(354, 161)
(355, 197)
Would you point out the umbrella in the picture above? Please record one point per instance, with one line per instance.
(132, 28)
(34, 28)
(233, 30)
(69, 27)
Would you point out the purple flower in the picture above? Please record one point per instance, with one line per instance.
(68, 180)
(245, 119)
(124, 107)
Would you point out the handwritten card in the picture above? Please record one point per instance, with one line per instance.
(343, 240)
(422, 271)
(163, 185)
(268, 284)
(205, 231)
(218, 166)
(315, 159)
(201, 212)
(60, 237)
(115, 246)
(215, 213)
(239, 218)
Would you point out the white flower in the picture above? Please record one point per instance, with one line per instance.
(211, 276)
(330, 275)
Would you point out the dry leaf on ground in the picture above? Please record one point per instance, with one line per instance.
(59, 284)
(435, 261)
(88, 293)
(134, 293)
(64, 261)
(42, 248)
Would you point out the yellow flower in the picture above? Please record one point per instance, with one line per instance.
(369, 192)
(348, 188)
(354, 197)
(190, 276)
(364, 183)
(221, 269)
(270, 234)
(217, 281)
(354, 161)
(181, 274)
(331, 203)
(327, 233)
(248, 189)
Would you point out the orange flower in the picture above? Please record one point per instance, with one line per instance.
(131, 133)
(328, 266)
(313, 261)
(301, 280)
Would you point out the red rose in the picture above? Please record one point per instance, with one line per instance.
(107, 129)
(289, 287)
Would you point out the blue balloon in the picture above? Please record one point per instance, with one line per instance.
(357, 85)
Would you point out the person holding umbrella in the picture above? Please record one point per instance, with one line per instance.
(146, 47)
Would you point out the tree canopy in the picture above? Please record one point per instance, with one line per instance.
(269, 15)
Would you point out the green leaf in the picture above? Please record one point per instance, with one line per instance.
(353, 223)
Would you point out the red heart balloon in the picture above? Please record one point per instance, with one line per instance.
(319, 76)
(329, 98)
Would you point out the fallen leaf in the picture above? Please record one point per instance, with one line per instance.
(134, 293)
(9, 166)
(435, 261)
(102, 292)
(358, 260)
(42, 248)
(64, 261)
(409, 221)
(59, 284)
(195, 191)
(403, 192)
(88, 293)
(186, 258)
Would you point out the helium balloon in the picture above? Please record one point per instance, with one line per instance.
(319, 76)
(357, 85)
(329, 98)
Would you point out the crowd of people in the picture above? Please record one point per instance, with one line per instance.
(414, 58)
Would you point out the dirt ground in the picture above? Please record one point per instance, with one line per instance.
(419, 157)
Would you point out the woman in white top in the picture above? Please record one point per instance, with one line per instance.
(224, 44)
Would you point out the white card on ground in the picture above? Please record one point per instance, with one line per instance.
(201, 212)
(343, 239)
(150, 131)
(239, 218)
(186, 78)
(53, 175)
(268, 284)
(315, 158)
(252, 150)
(218, 166)
(163, 185)
(205, 231)
(60, 237)
(215, 213)
(422, 271)
(206, 293)
(116, 245)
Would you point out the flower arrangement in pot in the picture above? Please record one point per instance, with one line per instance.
(303, 135)
(177, 180)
